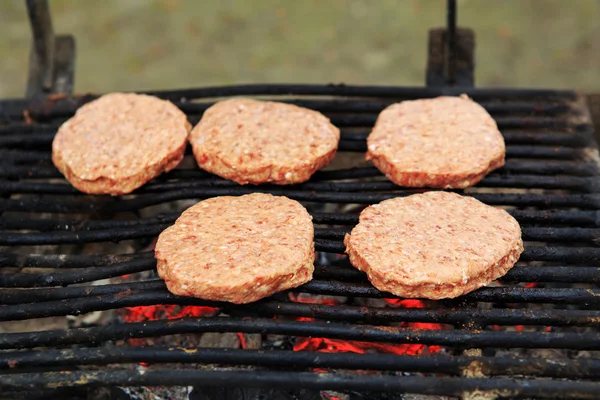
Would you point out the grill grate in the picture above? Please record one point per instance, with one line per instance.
(550, 184)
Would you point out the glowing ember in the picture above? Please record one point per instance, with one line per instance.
(162, 311)
(308, 299)
(328, 396)
(153, 313)
(325, 345)
(242, 339)
(405, 303)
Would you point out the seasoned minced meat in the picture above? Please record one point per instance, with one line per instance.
(251, 141)
(115, 144)
(237, 249)
(434, 245)
(446, 142)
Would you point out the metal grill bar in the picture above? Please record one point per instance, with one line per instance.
(341, 120)
(350, 141)
(103, 204)
(512, 151)
(136, 232)
(396, 92)
(574, 369)
(532, 253)
(433, 386)
(520, 273)
(584, 184)
(542, 217)
(67, 108)
(76, 276)
(132, 298)
(388, 334)
(366, 120)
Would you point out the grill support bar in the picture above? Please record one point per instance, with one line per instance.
(573, 369)
(342, 382)
(52, 58)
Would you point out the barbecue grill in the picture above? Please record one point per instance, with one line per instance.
(494, 339)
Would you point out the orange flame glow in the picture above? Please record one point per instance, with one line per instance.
(242, 339)
(168, 311)
(325, 345)
(153, 313)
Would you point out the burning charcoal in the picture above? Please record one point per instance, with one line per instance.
(250, 340)
(208, 393)
(152, 393)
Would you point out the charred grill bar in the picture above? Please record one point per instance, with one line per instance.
(550, 149)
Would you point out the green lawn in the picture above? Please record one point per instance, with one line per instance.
(134, 44)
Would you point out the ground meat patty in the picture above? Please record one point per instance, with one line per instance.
(251, 141)
(434, 245)
(447, 142)
(115, 144)
(237, 249)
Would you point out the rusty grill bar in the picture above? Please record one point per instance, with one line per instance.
(550, 152)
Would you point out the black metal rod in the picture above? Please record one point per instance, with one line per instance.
(66, 108)
(149, 231)
(349, 91)
(62, 278)
(43, 40)
(579, 255)
(451, 42)
(496, 294)
(520, 273)
(560, 368)
(62, 237)
(557, 217)
(304, 380)
(512, 107)
(14, 108)
(498, 339)
(21, 296)
(20, 157)
(576, 139)
(38, 133)
(47, 224)
(350, 141)
(525, 217)
(155, 294)
(67, 260)
(99, 204)
(575, 183)
(105, 235)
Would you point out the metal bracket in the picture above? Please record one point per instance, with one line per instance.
(52, 58)
(451, 60)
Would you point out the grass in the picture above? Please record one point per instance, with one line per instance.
(135, 45)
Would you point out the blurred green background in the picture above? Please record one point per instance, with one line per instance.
(160, 44)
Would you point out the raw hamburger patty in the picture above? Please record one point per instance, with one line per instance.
(447, 142)
(433, 245)
(251, 141)
(237, 249)
(115, 144)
